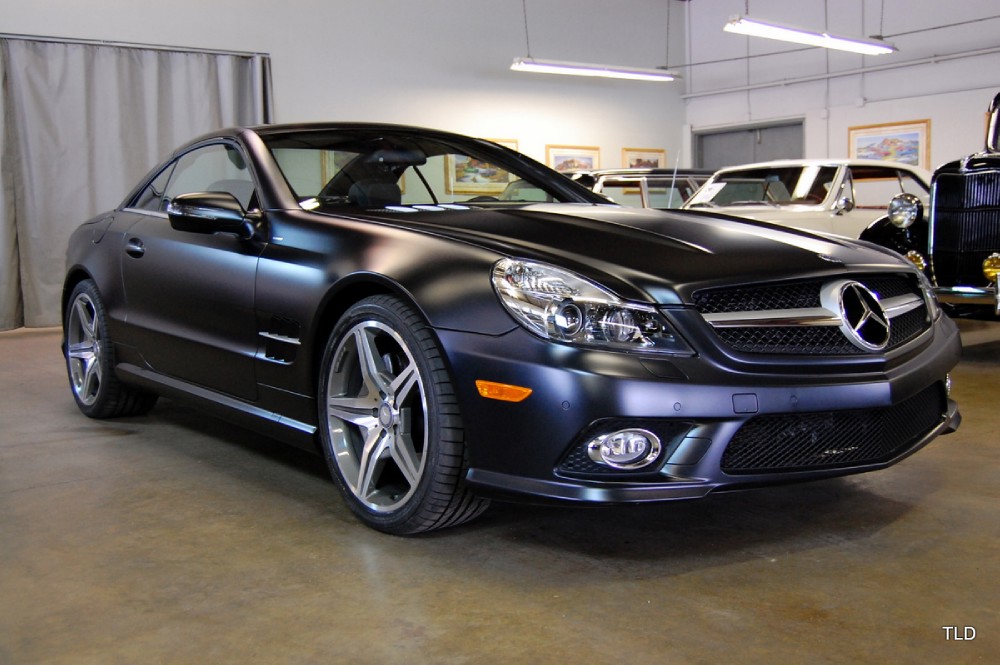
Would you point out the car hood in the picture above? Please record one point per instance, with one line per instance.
(645, 254)
(786, 214)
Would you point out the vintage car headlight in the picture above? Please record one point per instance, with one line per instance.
(904, 210)
(559, 305)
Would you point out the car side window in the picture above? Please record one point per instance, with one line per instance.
(874, 186)
(153, 196)
(623, 193)
(913, 185)
(213, 168)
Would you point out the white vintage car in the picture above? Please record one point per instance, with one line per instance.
(839, 196)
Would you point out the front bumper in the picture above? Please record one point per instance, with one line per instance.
(699, 405)
(968, 295)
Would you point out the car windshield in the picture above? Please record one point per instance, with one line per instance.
(661, 192)
(805, 185)
(386, 169)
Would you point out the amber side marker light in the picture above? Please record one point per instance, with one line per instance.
(502, 391)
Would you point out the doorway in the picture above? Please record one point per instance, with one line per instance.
(714, 150)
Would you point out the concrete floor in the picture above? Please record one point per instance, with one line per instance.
(177, 538)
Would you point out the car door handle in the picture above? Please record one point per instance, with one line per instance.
(135, 248)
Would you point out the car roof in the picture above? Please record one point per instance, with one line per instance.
(779, 163)
(598, 173)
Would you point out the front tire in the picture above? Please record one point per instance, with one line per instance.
(90, 360)
(389, 421)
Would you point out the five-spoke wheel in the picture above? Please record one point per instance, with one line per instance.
(389, 421)
(90, 359)
(83, 349)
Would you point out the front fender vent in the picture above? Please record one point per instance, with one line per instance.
(281, 340)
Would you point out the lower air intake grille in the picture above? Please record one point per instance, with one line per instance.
(832, 439)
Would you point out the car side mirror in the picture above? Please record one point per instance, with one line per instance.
(843, 204)
(209, 212)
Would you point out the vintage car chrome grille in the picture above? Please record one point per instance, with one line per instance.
(965, 226)
(787, 318)
(833, 439)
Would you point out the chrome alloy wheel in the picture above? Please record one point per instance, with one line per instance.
(83, 349)
(377, 416)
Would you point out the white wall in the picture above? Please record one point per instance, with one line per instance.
(848, 90)
(438, 63)
(443, 63)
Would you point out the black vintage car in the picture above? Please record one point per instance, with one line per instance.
(957, 240)
(384, 295)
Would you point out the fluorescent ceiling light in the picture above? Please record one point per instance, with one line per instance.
(584, 69)
(754, 28)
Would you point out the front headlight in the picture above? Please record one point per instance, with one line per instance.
(904, 210)
(559, 305)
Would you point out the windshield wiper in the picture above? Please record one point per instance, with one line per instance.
(771, 204)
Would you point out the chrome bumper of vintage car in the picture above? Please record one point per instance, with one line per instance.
(972, 295)
(965, 295)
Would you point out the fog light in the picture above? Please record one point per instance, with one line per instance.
(626, 449)
(947, 385)
(917, 259)
(991, 267)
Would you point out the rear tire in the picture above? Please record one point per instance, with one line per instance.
(389, 421)
(90, 360)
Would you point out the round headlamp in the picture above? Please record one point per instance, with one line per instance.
(904, 210)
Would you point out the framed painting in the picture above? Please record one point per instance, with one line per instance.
(643, 158)
(464, 175)
(906, 142)
(572, 157)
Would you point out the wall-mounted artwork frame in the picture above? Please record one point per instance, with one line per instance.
(907, 142)
(466, 176)
(572, 157)
(634, 158)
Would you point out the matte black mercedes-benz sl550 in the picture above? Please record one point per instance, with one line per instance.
(448, 321)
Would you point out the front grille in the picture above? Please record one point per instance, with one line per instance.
(794, 295)
(801, 340)
(808, 340)
(966, 226)
(833, 439)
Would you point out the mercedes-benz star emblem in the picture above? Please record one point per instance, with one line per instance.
(864, 321)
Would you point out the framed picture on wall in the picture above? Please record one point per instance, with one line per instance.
(464, 175)
(572, 157)
(643, 158)
(907, 142)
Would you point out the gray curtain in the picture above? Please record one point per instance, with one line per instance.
(82, 123)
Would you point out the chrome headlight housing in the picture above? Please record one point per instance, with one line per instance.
(559, 305)
(904, 210)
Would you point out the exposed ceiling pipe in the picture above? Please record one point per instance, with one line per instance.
(850, 72)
